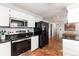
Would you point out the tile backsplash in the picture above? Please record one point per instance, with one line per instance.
(15, 29)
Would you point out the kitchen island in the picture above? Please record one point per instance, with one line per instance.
(70, 47)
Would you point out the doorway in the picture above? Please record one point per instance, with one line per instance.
(51, 31)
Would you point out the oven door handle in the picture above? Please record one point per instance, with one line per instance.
(20, 40)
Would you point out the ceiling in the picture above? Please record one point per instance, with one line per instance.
(46, 10)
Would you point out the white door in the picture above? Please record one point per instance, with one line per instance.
(34, 43)
(4, 16)
(5, 49)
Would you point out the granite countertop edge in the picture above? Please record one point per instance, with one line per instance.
(70, 39)
(5, 41)
(10, 40)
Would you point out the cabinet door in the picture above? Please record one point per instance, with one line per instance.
(5, 49)
(17, 14)
(4, 16)
(20, 16)
(31, 23)
(70, 47)
(34, 43)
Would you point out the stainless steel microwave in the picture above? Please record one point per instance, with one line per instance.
(17, 22)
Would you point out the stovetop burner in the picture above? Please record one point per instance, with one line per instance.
(16, 36)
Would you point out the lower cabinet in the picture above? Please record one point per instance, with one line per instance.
(5, 49)
(70, 47)
(34, 43)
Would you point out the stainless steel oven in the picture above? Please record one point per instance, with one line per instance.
(20, 46)
(20, 42)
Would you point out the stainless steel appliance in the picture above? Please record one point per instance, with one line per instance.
(20, 46)
(14, 22)
(20, 42)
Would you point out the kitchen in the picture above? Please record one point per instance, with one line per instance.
(20, 32)
(29, 30)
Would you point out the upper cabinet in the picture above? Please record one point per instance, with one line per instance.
(17, 14)
(22, 16)
(31, 21)
(6, 13)
(4, 16)
(31, 24)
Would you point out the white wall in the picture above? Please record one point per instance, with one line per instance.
(60, 19)
(53, 29)
(60, 26)
(73, 13)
